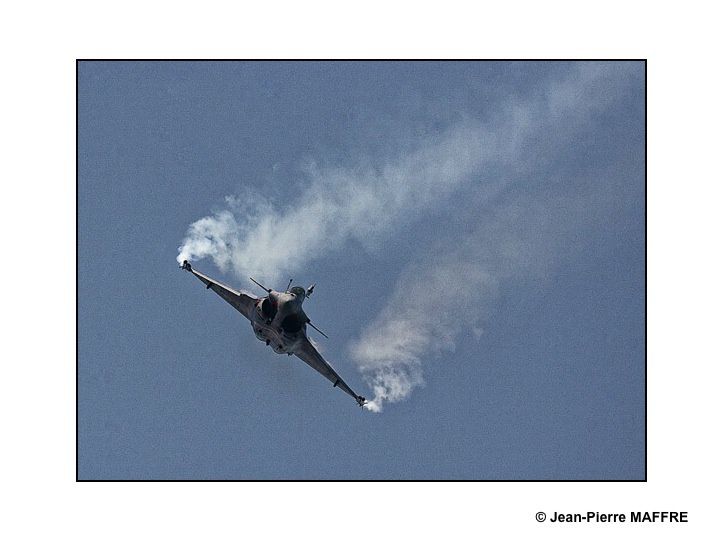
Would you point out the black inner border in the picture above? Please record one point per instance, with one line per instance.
(77, 260)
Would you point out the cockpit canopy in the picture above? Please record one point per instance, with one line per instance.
(298, 291)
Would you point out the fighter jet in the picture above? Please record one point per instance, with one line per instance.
(278, 319)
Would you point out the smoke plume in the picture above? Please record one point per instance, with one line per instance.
(253, 236)
(454, 290)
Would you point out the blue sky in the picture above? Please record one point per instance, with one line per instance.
(476, 231)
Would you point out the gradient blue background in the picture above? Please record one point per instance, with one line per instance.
(172, 382)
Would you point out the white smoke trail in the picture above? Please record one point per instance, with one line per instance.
(453, 290)
(252, 236)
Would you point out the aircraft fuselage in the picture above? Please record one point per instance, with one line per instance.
(279, 320)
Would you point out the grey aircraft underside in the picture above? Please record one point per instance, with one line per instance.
(279, 320)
